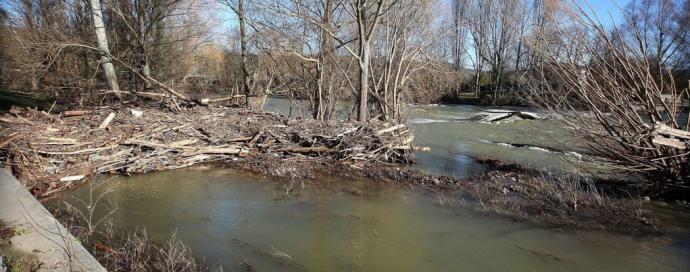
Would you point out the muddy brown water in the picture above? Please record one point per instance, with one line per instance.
(227, 216)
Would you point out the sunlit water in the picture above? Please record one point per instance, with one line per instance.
(455, 142)
(227, 217)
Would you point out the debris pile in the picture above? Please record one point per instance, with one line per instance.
(51, 152)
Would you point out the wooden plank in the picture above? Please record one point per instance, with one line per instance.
(666, 130)
(72, 178)
(196, 150)
(660, 140)
(390, 129)
(78, 151)
(76, 113)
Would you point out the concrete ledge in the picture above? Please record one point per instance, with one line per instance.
(42, 235)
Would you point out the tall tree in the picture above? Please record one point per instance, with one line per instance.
(459, 38)
(367, 14)
(404, 35)
(653, 27)
(239, 9)
(102, 40)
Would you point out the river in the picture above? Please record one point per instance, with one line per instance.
(228, 216)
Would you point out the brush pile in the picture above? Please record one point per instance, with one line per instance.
(51, 152)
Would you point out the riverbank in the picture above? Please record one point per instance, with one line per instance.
(51, 153)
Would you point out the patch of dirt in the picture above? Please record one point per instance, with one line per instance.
(6, 233)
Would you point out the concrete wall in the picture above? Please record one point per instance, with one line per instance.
(41, 235)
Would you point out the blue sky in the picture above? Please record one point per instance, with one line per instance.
(601, 8)
(606, 10)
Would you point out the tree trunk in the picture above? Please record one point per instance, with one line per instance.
(325, 49)
(477, 77)
(364, 81)
(318, 93)
(243, 48)
(102, 40)
(143, 57)
(34, 80)
(497, 86)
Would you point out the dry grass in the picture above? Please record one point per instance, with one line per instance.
(564, 200)
(137, 252)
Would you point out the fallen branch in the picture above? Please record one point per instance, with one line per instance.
(76, 113)
(9, 139)
(390, 129)
(107, 121)
(305, 150)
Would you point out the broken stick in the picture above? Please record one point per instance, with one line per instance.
(107, 121)
(76, 113)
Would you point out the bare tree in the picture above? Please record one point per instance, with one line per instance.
(102, 40)
(367, 14)
(626, 110)
(403, 37)
(478, 22)
(144, 25)
(683, 24)
(239, 9)
(501, 21)
(654, 27)
(459, 38)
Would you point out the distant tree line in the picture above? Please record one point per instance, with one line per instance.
(372, 56)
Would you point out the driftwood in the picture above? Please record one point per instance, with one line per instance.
(495, 116)
(107, 121)
(238, 97)
(390, 129)
(9, 139)
(145, 94)
(668, 136)
(72, 178)
(305, 150)
(51, 147)
(76, 113)
(252, 142)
